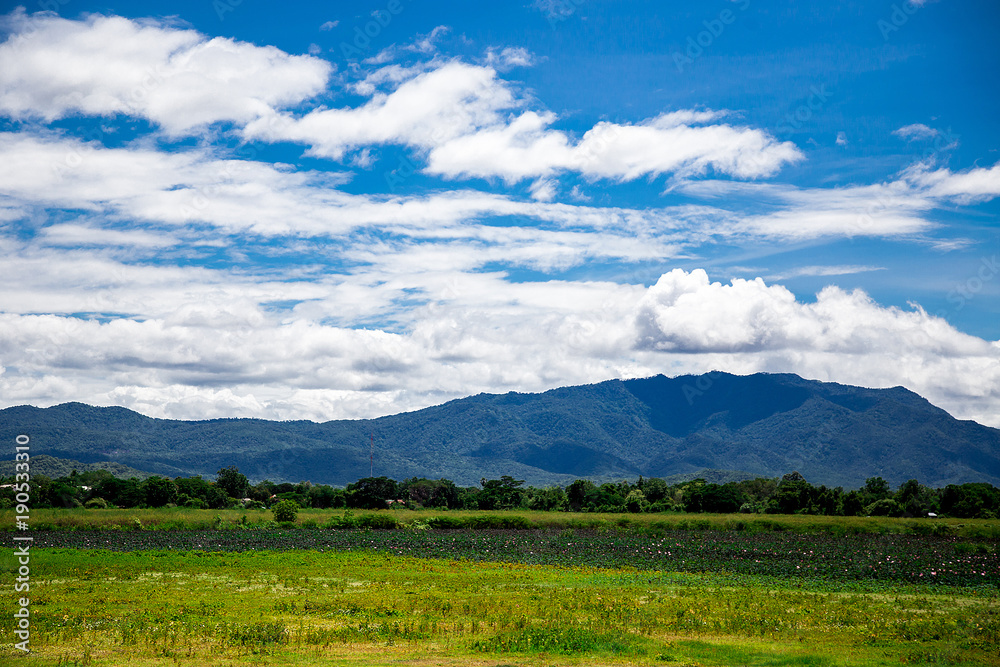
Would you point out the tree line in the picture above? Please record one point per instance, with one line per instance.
(791, 494)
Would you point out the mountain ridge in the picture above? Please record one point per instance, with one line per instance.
(762, 424)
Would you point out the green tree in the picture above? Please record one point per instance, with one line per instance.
(324, 497)
(552, 499)
(635, 501)
(971, 500)
(500, 494)
(875, 489)
(853, 505)
(159, 491)
(716, 498)
(121, 492)
(793, 495)
(285, 511)
(430, 492)
(372, 493)
(578, 493)
(884, 507)
(233, 482)
(655, 489)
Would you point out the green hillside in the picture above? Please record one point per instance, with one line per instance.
(760, 425)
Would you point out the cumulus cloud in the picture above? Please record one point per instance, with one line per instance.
(468, 123)
(685, 312)
(671, 143)
(51, 68)
(195, 186)
(427, 109)
(479, 332)
(369, 303)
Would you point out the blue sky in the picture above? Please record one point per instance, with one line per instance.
(340, 210)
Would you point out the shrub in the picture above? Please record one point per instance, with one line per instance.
(285, 511)
(376, 521)
(884, 507)
(491, 522)
(446, 522)
(96, 504)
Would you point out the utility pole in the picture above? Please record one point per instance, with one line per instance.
(371, 461)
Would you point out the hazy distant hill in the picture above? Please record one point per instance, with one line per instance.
(53, 467)
(761, 424)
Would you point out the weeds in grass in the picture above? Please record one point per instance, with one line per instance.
(174, 519)
(213, 607)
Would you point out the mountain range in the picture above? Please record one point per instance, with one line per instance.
(758, 425)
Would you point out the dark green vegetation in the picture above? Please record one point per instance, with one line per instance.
(53, 467)
(763, 425)
(635, 594)
(826, 557)
(792, 494)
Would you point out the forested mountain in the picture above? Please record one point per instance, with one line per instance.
(763, 425)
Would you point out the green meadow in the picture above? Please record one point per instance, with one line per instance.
(202, 587)
(181, 518)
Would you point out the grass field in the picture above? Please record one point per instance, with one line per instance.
(794, 592)
(304, 608)
(192, 519)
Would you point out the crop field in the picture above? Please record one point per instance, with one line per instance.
(622, 595)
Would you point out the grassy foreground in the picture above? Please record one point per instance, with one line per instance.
(362, 608)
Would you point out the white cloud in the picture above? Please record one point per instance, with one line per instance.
(75, 235)
(425, 43)
(378, 303)
(526, 148)
(329, 25)
(687, 313)
(52, 67)
(916, 132)
(430, 108)
(981, 183)
(510, 57)
(543, 189)
(841, 138)
(809, 271)
(466, 121)
(895, 208)
(843, 336)
(480, 333)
